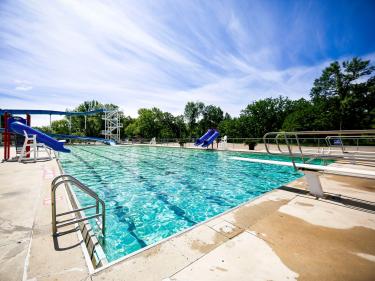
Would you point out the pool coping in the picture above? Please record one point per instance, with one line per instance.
(178, 233)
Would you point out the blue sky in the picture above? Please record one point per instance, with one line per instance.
(56, 54)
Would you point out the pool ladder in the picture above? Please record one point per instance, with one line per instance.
(64, 179)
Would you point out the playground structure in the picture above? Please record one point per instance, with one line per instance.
(34, 140)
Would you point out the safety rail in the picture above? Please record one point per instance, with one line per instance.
(327, 152)
(63, 179)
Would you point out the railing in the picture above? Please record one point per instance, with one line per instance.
(331, 144)
(63, 179)
(306, 145)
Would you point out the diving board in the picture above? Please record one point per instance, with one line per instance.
(330, 169)
(311, 172)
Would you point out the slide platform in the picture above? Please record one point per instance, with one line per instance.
(20, 128)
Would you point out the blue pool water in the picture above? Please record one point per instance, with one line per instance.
(154, 192)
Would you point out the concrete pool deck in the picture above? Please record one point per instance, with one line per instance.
(282, 235)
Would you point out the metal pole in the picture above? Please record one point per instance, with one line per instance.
(5, 137)
(53, 205)
(28, 122)
(300, 148)
(290, 152)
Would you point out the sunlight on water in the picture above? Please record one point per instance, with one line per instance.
(154, 192)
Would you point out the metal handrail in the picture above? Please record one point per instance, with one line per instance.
(69, 179)
(297, 136)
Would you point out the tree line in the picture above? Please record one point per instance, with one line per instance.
(342, 98)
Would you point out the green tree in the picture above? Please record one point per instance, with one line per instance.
(231, 128)
(264, 116)
(302, 117)
(94, 123)
(126, 121)
(346, 92)
(181, 129)
(149, 122)
(211, 118)
(132, 130)
(192, 112)
(60, 127)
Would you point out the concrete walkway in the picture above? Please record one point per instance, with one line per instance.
(27, 249)
(282, 235)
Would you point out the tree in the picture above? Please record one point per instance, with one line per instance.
(211, 117)
(168, 126)
(192, 112)
(132, 129)
(346, 92)
(148, 122)
(181, 129)
(264, 116)
(126, 121)
(94, 123)
(231, 128)
(60, 127)
(302, 117)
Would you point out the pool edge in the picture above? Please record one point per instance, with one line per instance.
(112, 263)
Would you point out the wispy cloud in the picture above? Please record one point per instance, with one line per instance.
(147, 53)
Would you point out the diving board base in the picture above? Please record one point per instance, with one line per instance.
(313, 184)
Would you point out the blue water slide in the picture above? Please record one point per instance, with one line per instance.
(60, 136)
(20, 128)
(204, 137)
(211, 139)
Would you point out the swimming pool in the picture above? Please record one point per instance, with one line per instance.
(154, 192)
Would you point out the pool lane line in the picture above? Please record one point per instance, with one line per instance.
(179, 212)
(216, 199)
(124, 218)
(258, 175)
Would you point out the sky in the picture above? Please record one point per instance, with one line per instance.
(139, 54)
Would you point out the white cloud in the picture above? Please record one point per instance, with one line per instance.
(23, 88)
(139, 54)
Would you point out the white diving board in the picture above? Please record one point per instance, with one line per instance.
(311, 167)
(311, 172)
